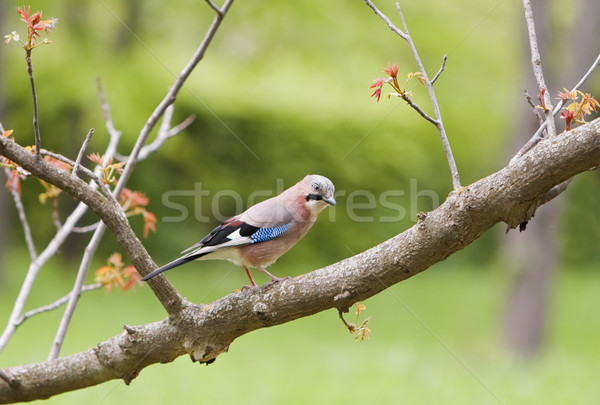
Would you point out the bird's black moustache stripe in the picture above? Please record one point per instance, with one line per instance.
(316, 197)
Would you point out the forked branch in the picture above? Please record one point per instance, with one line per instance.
(404, 34)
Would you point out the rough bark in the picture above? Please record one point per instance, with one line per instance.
(510, 195)
(534, 256)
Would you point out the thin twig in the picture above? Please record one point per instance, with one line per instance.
(23, 218)
(160, 139)
(36, 125)
(56, 213)
(538, 134)
(133, 158)
(418, 109)
(82, 151)
(555, 191)
(536, 64)
(214, 7)
(438, 116)
(444, 59)
(110, 127)
(387, 20)
(181, 126)
(163, 136)
(92, 175)
(349, 326)
(535, 110)
(56, 304)
(86, 229)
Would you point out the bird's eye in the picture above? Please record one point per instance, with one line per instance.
(316, 186)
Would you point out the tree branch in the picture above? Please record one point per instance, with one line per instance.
(67, 227)
(510, 195)
(538, 134)
(536, 63)
(437, 75)
(82, 151)
(23, 218)
(171, 96)
(36, 124)
(111, 214)
(55, 304)
(429, 84)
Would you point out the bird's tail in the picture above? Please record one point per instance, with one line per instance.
(173, 264)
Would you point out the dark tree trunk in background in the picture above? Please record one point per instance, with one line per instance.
(534, 254)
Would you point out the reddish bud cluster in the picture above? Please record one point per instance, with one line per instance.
(35, 25)
(113, 274)
(392, 78)
(581, 104)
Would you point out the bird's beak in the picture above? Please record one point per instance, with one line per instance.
(330, 201)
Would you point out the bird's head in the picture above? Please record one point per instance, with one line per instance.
(319, 191)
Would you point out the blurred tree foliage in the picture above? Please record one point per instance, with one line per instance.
(282, 92)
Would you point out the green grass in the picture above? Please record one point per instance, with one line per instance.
(435, 340)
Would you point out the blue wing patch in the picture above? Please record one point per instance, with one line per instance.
(265, 234)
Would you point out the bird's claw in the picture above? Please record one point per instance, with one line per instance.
(277, 279)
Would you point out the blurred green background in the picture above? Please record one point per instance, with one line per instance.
(282, 92)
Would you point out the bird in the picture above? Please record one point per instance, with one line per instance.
(260, 235)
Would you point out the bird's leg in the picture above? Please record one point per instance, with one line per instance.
(272, 277)
(247, 287)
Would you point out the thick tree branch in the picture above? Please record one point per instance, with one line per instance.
(510, 195)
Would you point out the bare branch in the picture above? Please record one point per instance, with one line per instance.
(536, 63)
(73, 297)
(36, 125)
(105, 190)
(181, 126)
(418, 109)
(538, 134)
(437, 75)
(170, 97)
(54, 305)
(82, 151)
(23, 218)
(535, 110)
(86, 229)
(387, 20)
(108, 123)
(555, 191)
(56, 213)
(214, 7)
(165, 132)
(348, 326)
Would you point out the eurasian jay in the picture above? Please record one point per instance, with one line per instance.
(260, 235)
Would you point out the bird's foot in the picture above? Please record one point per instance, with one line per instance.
(277, 279)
